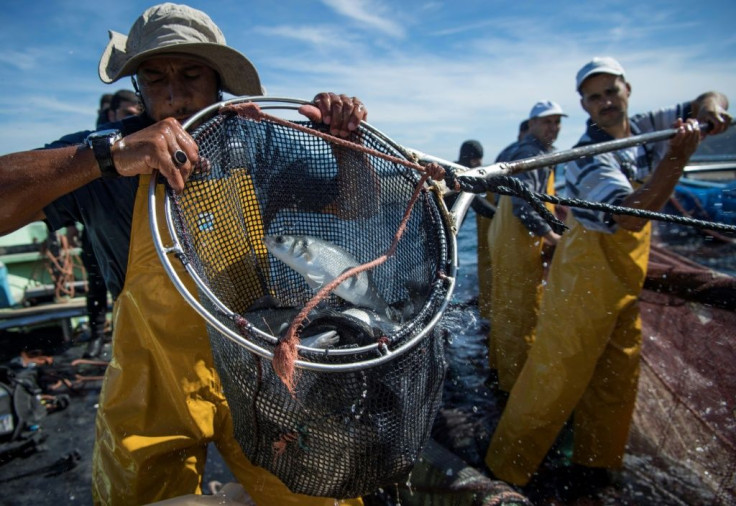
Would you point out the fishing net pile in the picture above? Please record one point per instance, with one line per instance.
(370, 367)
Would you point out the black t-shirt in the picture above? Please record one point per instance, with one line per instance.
(104, 207)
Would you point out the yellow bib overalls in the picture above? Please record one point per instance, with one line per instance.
(516, 290)
(585, 358)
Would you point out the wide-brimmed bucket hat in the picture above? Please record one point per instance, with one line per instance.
(178, 29)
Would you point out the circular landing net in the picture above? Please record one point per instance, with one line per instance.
(369, 371)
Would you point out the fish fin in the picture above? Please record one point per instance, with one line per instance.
(350, 282)
(315, 280)
(328, 339)
(321, 340)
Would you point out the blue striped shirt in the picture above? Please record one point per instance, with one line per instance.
(610, 177)
(536, 180)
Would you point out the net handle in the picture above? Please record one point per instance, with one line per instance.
(164, 252)
(527, 164)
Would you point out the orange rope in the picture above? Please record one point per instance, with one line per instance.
(253, 111)
(279, 446)
(63, 268)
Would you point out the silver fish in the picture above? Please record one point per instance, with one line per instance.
(320, 262)
(350, 331)
(276, 320)
(322, 340)
(372, 319)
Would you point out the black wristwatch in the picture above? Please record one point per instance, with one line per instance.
(101, 145)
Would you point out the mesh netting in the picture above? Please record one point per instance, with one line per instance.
(363, 407)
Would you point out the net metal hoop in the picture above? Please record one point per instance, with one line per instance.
(177, 249)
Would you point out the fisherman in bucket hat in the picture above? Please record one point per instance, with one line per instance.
(161, 403)
(168, 29)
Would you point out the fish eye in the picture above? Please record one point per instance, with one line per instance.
(280, 239)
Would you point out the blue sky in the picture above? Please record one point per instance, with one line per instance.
(432, 73)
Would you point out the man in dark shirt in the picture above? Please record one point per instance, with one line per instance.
(122, 103)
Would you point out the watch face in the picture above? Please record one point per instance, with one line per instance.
(104, 133)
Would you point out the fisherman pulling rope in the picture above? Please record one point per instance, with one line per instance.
(287, 353)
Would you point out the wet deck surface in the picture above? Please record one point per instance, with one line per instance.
(58, 470)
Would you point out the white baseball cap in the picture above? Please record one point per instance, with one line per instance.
(546, 108)
(599, 65)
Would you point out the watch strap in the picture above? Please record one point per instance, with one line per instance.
(101, 145)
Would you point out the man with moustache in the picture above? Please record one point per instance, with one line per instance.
(585, 358)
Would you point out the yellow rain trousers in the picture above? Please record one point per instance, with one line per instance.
(161, 401)
(516, 291)
(585, 357)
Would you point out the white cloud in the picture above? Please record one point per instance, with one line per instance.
(367, 13)
(317, 36)
(433, 103)
(21, 60)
